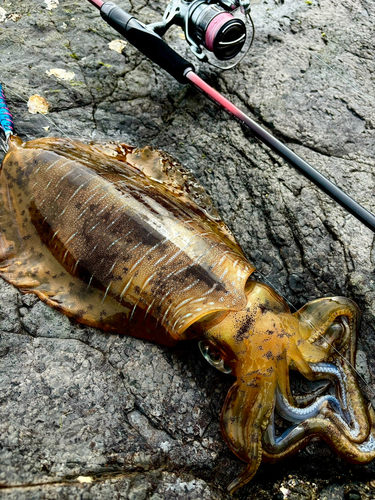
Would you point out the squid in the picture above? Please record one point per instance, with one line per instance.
(127, 240)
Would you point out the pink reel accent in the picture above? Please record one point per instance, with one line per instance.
(213, 28)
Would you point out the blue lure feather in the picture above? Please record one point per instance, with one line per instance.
(6, 119)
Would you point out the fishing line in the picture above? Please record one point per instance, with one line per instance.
(263, 277)
(49, 119)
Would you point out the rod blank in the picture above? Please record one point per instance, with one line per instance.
(158, 51)
(343, 199)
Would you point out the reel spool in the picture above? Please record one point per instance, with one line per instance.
(220, 33)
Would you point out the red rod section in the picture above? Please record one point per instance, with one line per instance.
(97, 3)
(363, 215)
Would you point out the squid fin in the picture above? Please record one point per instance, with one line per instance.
(163, 168)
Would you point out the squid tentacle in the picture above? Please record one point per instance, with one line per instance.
(331, 372)
(242, 422)
(360, 413)
(355, 443)
(296, 414)
(320, 371)
(310, 397)
(298, 436)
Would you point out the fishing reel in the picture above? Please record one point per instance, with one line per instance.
(218, 31)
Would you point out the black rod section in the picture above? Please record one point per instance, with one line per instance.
(354, 208)
(154, 47)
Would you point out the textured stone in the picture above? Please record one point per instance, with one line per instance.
(142, 421)
(333, 492)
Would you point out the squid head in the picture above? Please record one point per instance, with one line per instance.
(260, 346)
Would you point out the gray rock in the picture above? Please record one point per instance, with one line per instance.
(333, 492)
(138, 420)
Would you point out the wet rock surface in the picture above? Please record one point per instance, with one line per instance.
(89, 415)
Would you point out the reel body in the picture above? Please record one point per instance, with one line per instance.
(220, 32)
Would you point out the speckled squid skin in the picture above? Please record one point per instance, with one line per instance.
(261, 344)
(126, 240)
(111, 247)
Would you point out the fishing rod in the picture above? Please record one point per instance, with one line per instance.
(216, 33)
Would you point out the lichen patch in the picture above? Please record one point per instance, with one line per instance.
(117, 45)
(61, 74)
(3, 15)
(51, 4)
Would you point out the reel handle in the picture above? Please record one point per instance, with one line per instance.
(146, 41)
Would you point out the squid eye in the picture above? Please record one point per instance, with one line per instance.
(335, 335)
(334, 332)
(213, 358)
(344, 338)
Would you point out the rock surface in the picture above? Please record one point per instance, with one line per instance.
(90, 415)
